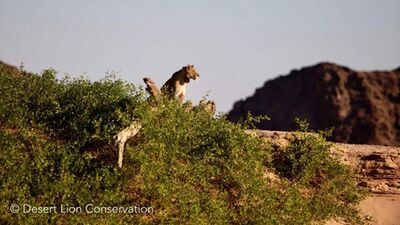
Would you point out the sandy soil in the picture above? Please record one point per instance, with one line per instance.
(384, 210)
(381, 210)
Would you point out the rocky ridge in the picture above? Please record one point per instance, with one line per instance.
(363, 107)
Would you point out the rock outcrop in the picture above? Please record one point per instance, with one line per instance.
(378, 167)
(363, 107)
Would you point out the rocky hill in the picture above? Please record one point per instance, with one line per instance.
(10, 68)
(363, 107)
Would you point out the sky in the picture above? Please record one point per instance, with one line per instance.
(235, 45)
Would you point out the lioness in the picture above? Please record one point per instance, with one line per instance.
(176, 85)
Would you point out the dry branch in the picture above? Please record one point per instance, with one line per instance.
(123, 136)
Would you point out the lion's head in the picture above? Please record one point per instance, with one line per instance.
(191, 72)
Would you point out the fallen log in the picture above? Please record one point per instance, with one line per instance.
(123, 136)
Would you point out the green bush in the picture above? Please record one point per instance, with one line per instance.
(57, 149)
(322, 187)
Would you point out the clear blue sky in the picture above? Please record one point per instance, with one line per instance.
(236, 45)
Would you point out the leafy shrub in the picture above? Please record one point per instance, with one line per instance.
(57, 149)
(196, 169)
(325, 187)
(49, 145)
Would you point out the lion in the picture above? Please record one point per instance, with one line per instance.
(176, 85)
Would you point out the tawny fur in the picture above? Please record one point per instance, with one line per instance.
(176, 85)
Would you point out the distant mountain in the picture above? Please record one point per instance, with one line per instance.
(363, 107)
